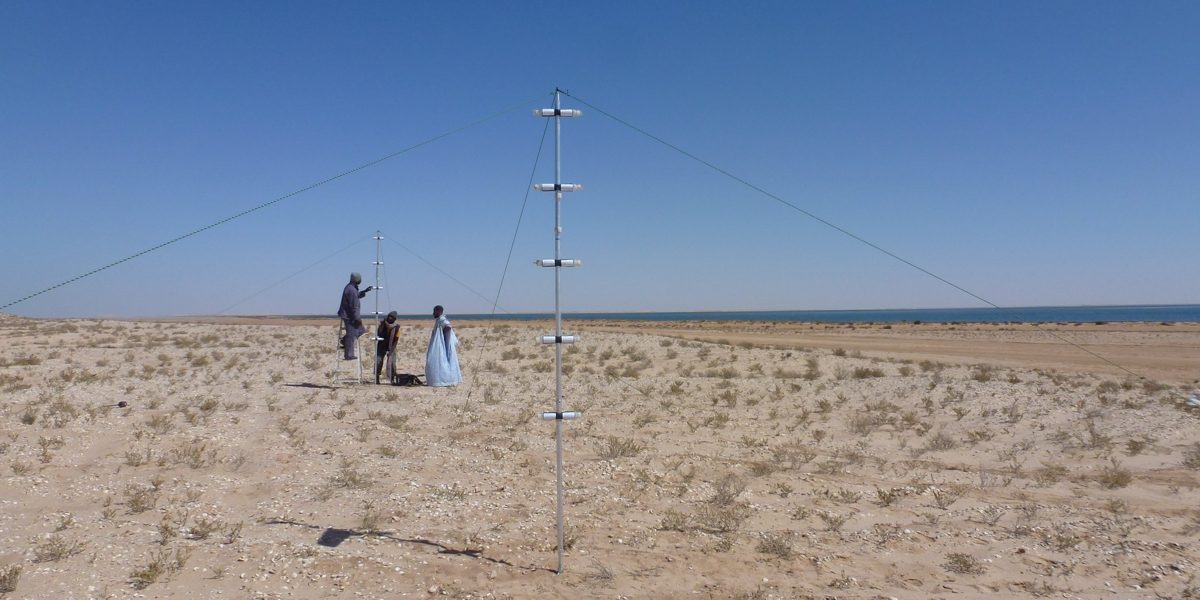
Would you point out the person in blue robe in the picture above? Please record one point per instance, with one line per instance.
(441, 360)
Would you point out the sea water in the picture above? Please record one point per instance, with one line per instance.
(1031, 314)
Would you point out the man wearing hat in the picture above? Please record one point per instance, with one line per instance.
(387, 335)
(351, 313)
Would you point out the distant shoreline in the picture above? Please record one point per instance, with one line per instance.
(1165, 313)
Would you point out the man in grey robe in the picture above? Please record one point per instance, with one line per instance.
(351, 314)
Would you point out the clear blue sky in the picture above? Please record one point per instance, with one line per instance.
(1035, 153)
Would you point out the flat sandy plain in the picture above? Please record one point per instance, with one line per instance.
(714, 460)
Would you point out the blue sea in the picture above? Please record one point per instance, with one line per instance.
(1032, 314)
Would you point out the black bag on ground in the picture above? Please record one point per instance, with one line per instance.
(406, 379)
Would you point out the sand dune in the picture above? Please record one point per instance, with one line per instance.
(868, 463)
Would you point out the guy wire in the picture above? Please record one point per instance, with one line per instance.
(266, 204)
(438, 269)
(357, 242)
(513, 244)
(853, 236)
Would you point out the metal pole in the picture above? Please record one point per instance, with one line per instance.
(558, 318)
(375, 333)
(558, 339)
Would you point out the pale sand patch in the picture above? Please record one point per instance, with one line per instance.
(711, 470)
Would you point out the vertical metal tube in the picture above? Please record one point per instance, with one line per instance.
(558, 424)
(375, 333)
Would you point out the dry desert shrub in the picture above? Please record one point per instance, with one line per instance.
(613, 447)
(1012, 413)
(727, 489)
(600, 574)
(55, 548)
(161, 424)
(781, 489)
(944, 497)
(1191, 456)
(793, 456)
(208, 406)
(1150, 387)
(1050, 474)
(990, 515)
(202, 528)
(722, 519)
(1115, 476)
(979, 435)
(782, 373)
(233, 532)
(866, 373)
(674, 520)
(1136, 447)
(888, 497)
(161, 563)
(59, 413)
(286, 427)
(865, 423)
(723, 373)
(762, 468)
(13, 383)
(29, 417)
(395, 422)
(940, 442)
(844, 496)
(644, 419)
(49, 444)
(729, 397)
(716, 421)
(1060, 537)
(963, 564)
(833, 521)
(195, 454)
(348, 476)
(812, 369)
(137, 459)
(363, 433)
(776, 544)
(800, 512)
(139, 499)
(983, 373)
(749, 441)
(9, 576)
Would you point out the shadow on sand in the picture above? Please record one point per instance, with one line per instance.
(332, 537)
(311, 386)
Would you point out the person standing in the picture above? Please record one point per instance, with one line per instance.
(441, 360)
(388, 335)
(351, 314)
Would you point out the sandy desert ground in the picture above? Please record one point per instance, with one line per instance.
(716, 460)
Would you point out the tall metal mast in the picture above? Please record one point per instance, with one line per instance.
(375, 332)
(558, 339)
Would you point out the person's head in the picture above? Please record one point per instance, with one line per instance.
(438, 310)
(391, 318)
(355, 278)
